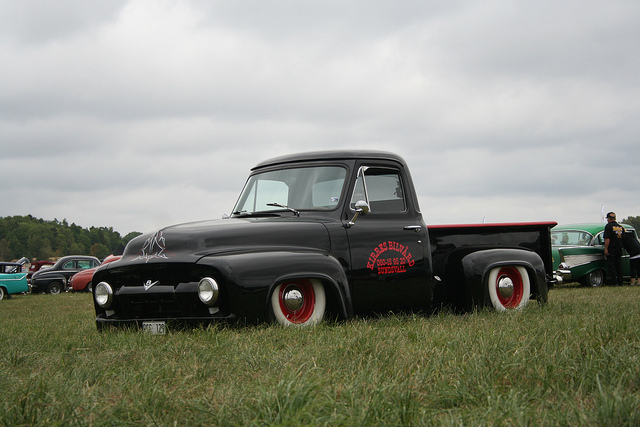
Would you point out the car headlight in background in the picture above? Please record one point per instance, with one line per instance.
(103, 294)
(208, 291)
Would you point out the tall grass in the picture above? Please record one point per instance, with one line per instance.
(572, 362)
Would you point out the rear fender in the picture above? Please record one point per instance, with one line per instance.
(43, 282)
(467, 269)
(577, 273)
(477, 265)
(250, 278)
(582, 261)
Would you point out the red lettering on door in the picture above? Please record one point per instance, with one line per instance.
(385, 259)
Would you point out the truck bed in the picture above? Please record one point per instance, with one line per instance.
(454, 238)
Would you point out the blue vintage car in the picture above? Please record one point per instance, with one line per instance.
(13, 279)
(578, 253)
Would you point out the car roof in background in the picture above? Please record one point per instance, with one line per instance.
(593, 228)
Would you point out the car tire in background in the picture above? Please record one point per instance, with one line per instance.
(54, 288)
(595, 279)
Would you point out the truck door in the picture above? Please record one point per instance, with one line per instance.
(388, 268)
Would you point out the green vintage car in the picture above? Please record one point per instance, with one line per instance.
(13, 279)
(578, 253)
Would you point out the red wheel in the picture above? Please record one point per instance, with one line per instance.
(298, 302)
(508, 287)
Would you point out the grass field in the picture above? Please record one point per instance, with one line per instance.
(573, 362)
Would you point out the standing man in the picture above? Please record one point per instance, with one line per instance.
(613, 233)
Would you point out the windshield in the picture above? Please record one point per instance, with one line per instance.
(310, 188)
(571, 237)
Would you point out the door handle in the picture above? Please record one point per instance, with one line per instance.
(416, 228)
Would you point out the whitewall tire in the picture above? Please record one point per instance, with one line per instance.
(299, 302)
(508, 287)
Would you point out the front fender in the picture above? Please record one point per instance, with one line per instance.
(250, 277)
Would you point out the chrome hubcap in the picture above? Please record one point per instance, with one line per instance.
(505, 286)
(293, 299)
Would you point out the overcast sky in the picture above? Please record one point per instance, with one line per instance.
(144, 113)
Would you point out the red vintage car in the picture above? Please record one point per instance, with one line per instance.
(37, 265)
(81, 281)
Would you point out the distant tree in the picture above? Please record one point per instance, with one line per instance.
(18, 239)
(77, 248)
(39, 247)
(633, 221)
(4, 250)
(131, 236)
(99, 250)
(17, 247)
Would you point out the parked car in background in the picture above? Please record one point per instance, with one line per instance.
(37, 265)
(578, 253)
(81, 281)
(13, 279)
(54, 280)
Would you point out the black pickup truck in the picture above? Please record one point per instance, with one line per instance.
(321, 235)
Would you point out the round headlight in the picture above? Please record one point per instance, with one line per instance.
(208, 291)
(103, 294)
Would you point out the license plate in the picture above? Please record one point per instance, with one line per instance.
(155, 327)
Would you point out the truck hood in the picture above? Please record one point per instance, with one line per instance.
(191, 241)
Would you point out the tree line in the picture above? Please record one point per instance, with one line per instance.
(633, 221)
(37, 239)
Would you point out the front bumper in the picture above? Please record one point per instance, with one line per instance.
(103, 323)
(178, 307)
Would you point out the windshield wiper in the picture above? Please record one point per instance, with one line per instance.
(295, 211)
(252, 214)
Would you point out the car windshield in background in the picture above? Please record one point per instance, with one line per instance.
(311, 188)
(571, 237)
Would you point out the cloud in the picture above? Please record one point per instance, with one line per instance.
(132, 113)
(34, 22)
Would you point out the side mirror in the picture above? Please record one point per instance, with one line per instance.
(361, 207)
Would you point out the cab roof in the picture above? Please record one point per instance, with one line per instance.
(331, 155)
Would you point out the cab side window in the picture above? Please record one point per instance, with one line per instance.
(381, 188)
